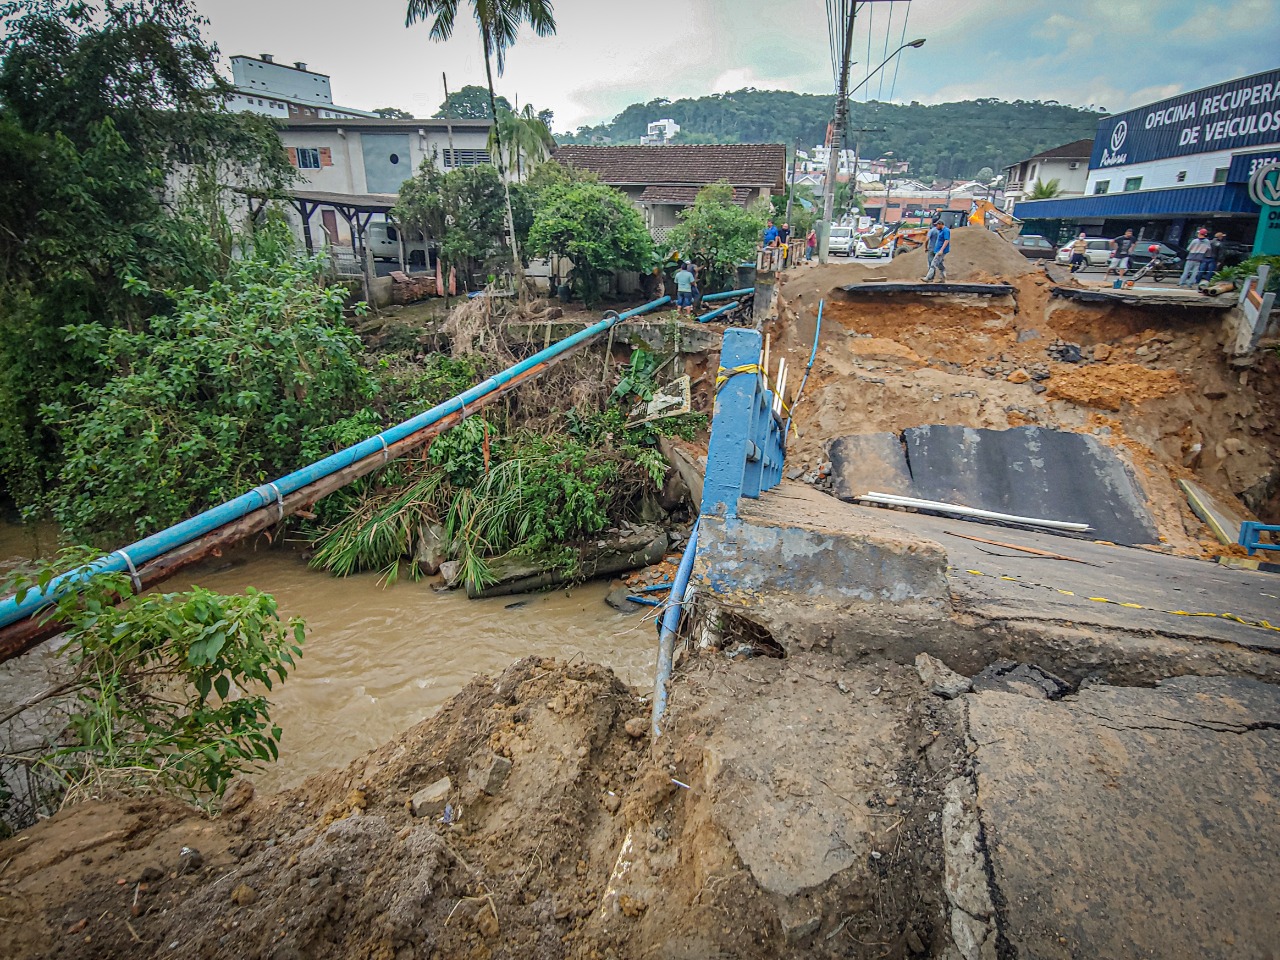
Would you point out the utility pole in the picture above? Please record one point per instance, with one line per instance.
(837, 131)
(448, 122)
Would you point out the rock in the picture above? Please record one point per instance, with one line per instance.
(795, 473)
(914, 943)
(1028, 680)
(451, 570)
(637, 727)
(612, 802)
(432, 550)
(243, 895)
(1025, 335)
(1038, 388)
(632, 906)
(239, 794)
(799, 919)
(618, 600)
(190, 860)
(430, 801)
(150, 874)
(1142, 351)
(1214, 393)
(941, 680)
(495, 774)
(1233, 445)
(1018, 376)
(1101, 351)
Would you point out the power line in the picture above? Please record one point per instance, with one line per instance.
(894, 86)
(888, 29)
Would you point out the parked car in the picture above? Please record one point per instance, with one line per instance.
(862, 250)
(1097, 253)
(841, 242)
(384, 243)
(1034, 247)
(1233, 252)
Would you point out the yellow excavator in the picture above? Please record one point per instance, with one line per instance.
(982, 212)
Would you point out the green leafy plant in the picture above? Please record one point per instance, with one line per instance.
(717, 234)
(205, 403)
(1040, 190)
(1247, 268)
(167, 688)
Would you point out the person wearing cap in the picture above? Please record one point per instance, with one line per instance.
(1210, 264)
(1197, 253)
(938, 250)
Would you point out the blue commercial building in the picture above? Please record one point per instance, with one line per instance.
(1167, 168)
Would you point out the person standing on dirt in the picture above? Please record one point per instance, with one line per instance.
(1197, 253)
(1077, 248)
(1120, 248)
(810, 244)
(770, 235)
(938, 251)
(684, 289)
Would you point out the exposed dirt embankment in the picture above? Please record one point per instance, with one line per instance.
(787, 796)
(1153, 383)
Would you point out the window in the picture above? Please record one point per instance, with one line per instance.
(308, 158)
(894, 206)
(1181, 177)
(1102, 186)
(1220, 175)
(394, 158)
(1132, 183)
(466, 158)
(391, 234)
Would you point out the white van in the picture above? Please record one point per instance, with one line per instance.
(841, 242)
(384, 243)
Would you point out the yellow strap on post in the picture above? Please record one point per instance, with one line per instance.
(725, 374)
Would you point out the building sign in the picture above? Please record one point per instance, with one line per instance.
(1229, 116)
(1264, 190)
(1245, 165)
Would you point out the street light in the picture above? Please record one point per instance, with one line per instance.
(837, 143)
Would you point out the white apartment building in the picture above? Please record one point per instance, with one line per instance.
(283, 91)
(660, 132)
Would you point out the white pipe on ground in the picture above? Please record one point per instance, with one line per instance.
(894, 500)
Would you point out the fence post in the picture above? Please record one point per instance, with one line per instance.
(733, 426)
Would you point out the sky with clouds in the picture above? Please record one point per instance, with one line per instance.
(606, 54)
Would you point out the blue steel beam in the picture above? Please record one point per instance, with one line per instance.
(149, 548)
(731, 422)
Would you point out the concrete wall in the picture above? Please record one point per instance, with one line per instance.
(252, 74)
(360, 167)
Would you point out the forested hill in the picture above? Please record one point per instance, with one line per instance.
(942, 140)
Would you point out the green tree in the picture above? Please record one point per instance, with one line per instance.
(596, 227)
(525, 135)
(984, 175)
(499, 22)
(1045, 191)
(201, 405)
(393, 113)
(117, 160)
(717, 234)
(470, 103)
(461, 211)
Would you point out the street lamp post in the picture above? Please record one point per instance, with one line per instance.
(837, 133)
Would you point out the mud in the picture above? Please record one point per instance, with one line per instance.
(1154, 384)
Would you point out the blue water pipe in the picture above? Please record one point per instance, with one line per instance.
(728, 294)
(667, 638)
(715, 313)
(128, 559)
(805, 379)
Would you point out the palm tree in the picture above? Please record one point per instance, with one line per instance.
(526, 137)
(1045, 191)
(499, 22)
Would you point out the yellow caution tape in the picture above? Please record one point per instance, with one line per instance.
(725, 374)
(1264, 624)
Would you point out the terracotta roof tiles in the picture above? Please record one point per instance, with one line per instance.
(742, 164)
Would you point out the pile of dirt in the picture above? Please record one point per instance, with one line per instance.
(555, 834)
(1113, 386)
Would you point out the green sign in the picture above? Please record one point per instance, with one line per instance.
(1264, 190)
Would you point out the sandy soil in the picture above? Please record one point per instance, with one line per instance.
(1153, 384)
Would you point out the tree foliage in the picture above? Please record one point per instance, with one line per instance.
(943, 140)
(717, 234)
(470, 103)
(524, 136)
(115, 160)
(168, 689)
(207, 402)
(393, 113)
(462, 211)
(596, 227)
(1040, 190)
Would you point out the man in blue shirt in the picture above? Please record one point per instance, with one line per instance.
(684, 289)
(941, 246)
(770, 235)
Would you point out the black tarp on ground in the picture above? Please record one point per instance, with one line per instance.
(1028, 471)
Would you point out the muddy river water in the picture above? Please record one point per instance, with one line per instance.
(379, 659)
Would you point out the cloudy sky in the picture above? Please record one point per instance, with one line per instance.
(606, 54)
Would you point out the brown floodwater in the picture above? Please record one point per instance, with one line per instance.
(379, 659)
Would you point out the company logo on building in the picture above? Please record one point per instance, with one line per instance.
(1264, 185)
(1118, 134)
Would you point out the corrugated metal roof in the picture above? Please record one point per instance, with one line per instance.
(1171, 202)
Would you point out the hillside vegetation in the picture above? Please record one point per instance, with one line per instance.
(942, 140)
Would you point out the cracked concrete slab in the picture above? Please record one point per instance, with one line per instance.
(1132, 822)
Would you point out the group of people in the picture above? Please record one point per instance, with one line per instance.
(775, 236)
(1202, 259)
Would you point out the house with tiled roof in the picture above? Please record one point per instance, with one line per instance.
(663, 180)
(1068, 164)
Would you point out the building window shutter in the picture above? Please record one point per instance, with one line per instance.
(293, 155)
(326, 157)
